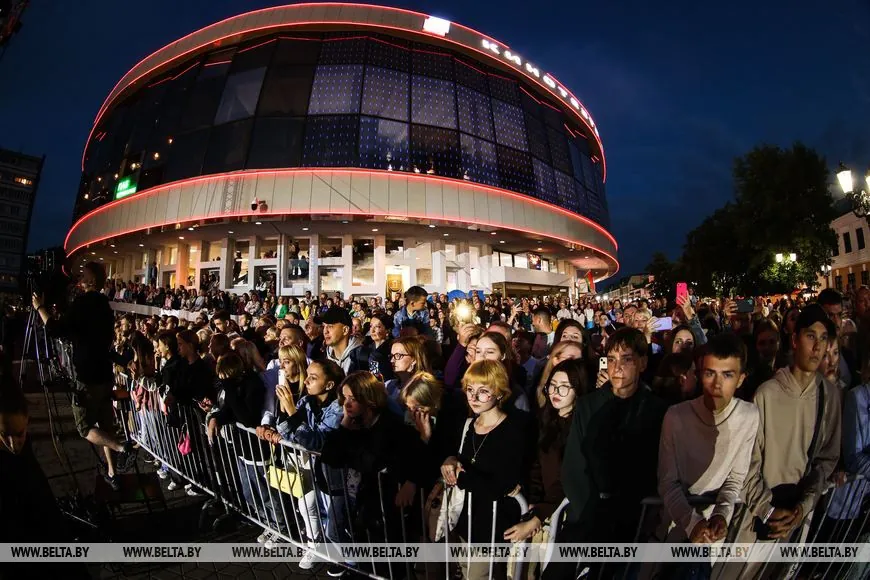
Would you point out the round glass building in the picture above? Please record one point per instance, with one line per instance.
(343, 147)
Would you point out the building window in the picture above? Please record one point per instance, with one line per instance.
(475, 116)
(865, 278)
(330, 279)
(433, 102)
(23, 181)
(389, 55)
(515, 169)
(435, 151)
(186, 155)
(509, 125)
(331, 247)
(383, 144)
(835, 251)
(331, 141)
(277, 143)
(479, 160)
(228, 147)
(431, 64)
(504, 89)
(297, 259)
(838, 283)
(337, 50)
(287, 89)
(859, 237)
(850, 281)
(240, 96)
(545, 183)
(336, 90)
(363, 262)
(385, 93)
(847, 243)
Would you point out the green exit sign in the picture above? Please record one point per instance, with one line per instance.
(125, 187)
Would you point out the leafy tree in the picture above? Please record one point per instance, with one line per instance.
(664, 274)
(782, 205)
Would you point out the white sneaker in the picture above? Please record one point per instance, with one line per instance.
(192, 492)
(162, 473)
(188, 486)
(172, 486)
(310, 559)
(274, 540)
(264, 537)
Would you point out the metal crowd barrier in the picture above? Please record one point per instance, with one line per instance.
(284, 489)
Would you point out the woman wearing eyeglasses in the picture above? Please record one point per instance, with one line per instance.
(490, 464)
(407, 356)
(566, 382)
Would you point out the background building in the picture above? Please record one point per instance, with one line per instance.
(850, 266)
(344, 148)
(19, 178)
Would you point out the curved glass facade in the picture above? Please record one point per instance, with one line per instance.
(342, 100)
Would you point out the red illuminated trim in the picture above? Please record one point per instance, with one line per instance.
(489, 56)
(172, 78)
(256, 173)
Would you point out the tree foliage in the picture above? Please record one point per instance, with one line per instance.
(781, 205)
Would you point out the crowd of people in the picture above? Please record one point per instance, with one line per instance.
(600, 403)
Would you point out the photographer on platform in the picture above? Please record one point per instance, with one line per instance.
(89, 325)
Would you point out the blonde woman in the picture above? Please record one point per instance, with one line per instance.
(291, 378)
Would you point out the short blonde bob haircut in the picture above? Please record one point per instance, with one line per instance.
(492, 375)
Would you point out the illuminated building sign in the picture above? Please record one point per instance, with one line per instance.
(531, 70)
(438, 26)
(125, 187)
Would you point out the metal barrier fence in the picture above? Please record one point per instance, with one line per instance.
(285, 488)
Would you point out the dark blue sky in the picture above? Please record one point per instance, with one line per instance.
(677, 88)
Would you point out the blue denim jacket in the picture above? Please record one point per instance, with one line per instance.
(402, 315)
(846, 501)
(311, 433)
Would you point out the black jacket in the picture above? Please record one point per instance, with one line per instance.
(90, 324)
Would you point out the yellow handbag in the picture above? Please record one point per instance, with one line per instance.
(285, 480)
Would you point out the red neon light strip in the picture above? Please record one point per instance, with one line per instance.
(106, 103)
(257, 45)
(174, 77)
(255, 173)
(249, 213)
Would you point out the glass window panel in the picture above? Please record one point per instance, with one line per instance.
(228, 147)
(475, 115)
(552, 116)
(428, 63)
(363, 261)
(588, 172)
(205, 95)
(343, 51)
(388, 54)
(521, 261)
(256, 55)
(561, 158)
(566, 197)
(146, 118)
(545, 183)
(593, 205)
(504, 89)
(576, 159)
(331, 141)
(277, 143)
(330, 279)
(515, 170)
(331, 247)
(177, 90)
(432, 102)
(298, 259)
(336, 89)
(385, 93)
(530, 104)
(435, 151)
(292, 51)
(510, 129)
(240, 96)
(472, 76)
(538, 143)
(580, 196)
(286, 90)
(383, 144)
(479, 160)
(185, 158)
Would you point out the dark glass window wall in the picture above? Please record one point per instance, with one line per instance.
(343, 100)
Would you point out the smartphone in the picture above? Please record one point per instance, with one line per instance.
(281, 377)
(746, 306)
(665, 323)
(602, 364)
(682, 290)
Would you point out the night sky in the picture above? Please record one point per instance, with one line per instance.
(678, 89)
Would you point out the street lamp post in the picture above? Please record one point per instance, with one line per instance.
(860, 199)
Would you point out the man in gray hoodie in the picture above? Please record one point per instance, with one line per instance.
(798, 442)
(341, 347)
